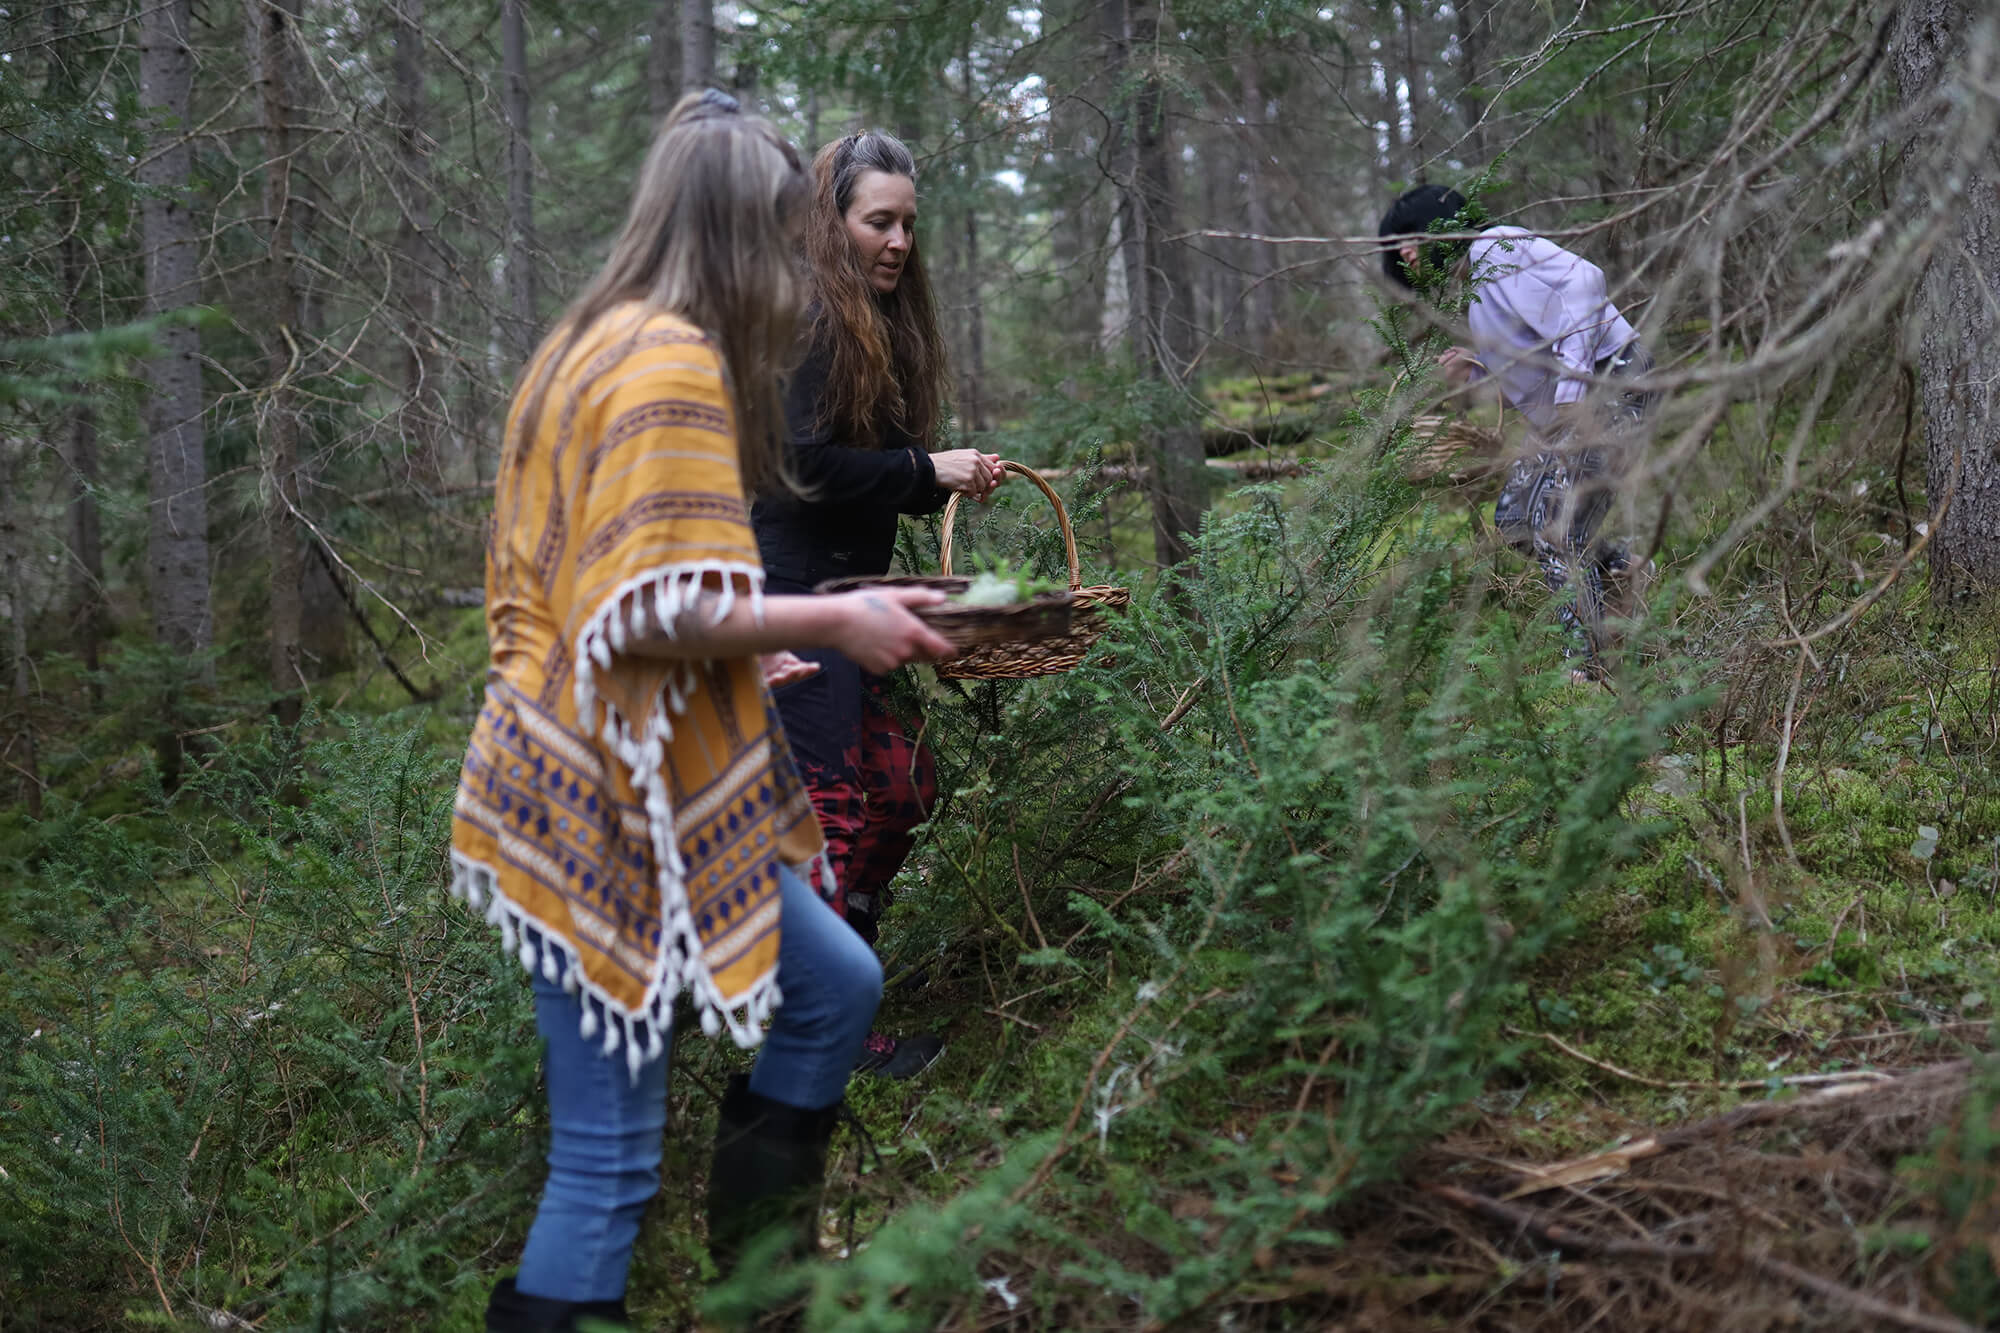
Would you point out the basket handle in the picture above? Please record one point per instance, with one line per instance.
(1062, 521)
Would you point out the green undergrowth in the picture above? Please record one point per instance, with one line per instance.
(1312, 864)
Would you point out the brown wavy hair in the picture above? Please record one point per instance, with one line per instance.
(709, 237)
(888, 358)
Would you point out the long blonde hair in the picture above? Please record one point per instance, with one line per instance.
(887, 354)
(709, 237)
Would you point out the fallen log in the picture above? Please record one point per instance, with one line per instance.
(1241, 469)
(1274, 432)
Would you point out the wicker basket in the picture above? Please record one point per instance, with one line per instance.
(1453, 450)
(970, 628)
(1041, 656)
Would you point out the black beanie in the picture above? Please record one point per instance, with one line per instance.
(1415, 211)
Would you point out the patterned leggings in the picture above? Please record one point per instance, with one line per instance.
(1554, 501)
(1549, 510)
(870, 778)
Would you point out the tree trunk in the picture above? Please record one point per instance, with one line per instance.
(278, 426)
(1178, 484)
(972, 417)
(1260, 301)
(975, 326)
(177, 471)
(1416, 104)
(697, 45)
(1077, 218)
(422, 415)
(663, 59)
(1607, 161)
(520, 181)
(1959, 353)
(21, 750)
(1474, 31)
(1126, 228)
(89, 612)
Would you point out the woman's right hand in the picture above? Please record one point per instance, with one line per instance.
(969, 472)
(876, 629)
(1458, 365)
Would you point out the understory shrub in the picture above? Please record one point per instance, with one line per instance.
(263, 1066)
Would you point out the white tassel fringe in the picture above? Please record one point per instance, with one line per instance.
(651, 603)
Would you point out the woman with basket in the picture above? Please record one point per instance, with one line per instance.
(628, 815)
(863, 409)
(1545, 331)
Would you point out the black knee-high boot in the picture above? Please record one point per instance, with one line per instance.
(769, 1167)
(513, 1311)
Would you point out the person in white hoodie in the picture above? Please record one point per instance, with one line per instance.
(1546, 333)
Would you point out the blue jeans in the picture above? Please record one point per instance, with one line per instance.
(606, 1132)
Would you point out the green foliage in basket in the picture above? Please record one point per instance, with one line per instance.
(1003, 583)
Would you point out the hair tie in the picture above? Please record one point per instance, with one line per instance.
(715, 102)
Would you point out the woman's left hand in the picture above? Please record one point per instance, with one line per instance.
(969, 472)
(785, 668)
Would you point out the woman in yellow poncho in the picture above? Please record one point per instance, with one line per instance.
(628, 815)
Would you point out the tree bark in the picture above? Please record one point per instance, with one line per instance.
(697, 45)
(89, 612)
(973, 414)
(1959, 352)
(278, 426)
(1474, 32)
(1260, 300)
(421, 416)
(520, 181)
(1178, 484)
(13, 480)
(663, 59)
(1069, 182)
(975, 327)
(176, 468)
(1413, 14)
(1124, 301)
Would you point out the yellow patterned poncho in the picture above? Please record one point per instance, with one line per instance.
(620, 818)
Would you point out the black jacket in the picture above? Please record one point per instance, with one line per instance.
(857, 487)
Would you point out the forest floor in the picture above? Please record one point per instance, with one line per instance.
(1743, 1098)
(1742, 1093)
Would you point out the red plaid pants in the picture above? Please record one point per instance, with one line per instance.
(871, 779)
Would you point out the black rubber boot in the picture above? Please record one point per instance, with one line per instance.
(769, 1167)
(511, 1311)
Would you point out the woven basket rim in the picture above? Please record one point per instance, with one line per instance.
(1011, 618)
(1042, 657)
